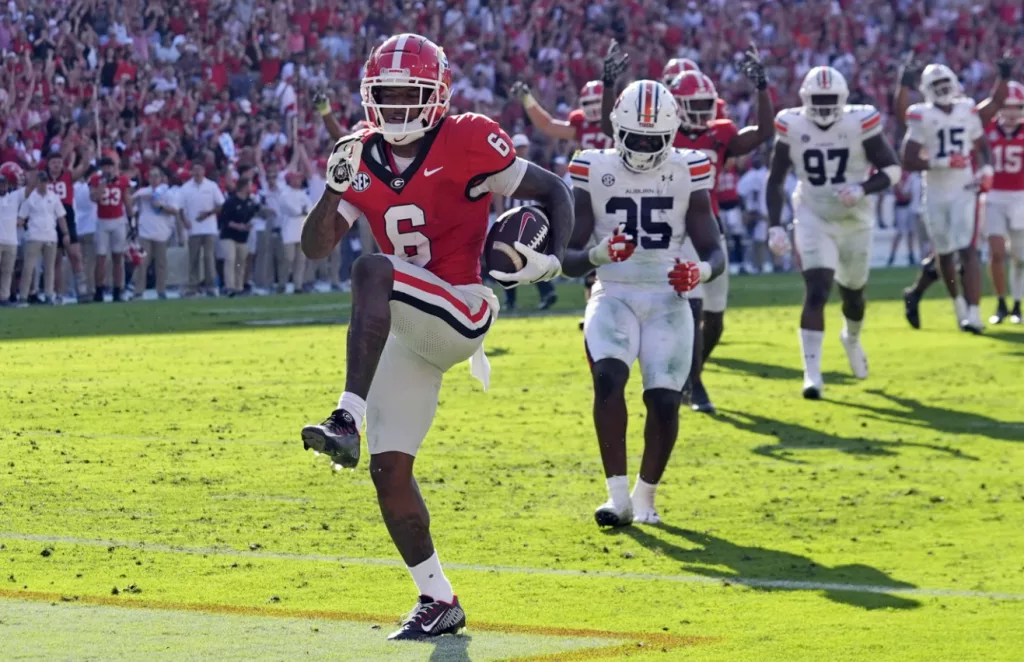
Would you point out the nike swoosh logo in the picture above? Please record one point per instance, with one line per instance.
(427, 627)
(428, 173)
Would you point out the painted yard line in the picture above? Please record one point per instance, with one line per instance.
(783, 584)
(632, 639)
(283, 310)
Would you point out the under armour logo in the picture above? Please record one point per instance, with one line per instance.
(666, 178)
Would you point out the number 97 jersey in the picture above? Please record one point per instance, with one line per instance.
(651, 206)
(826, 160)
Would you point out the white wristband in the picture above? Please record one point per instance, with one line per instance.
(598, 255)
(705, 271)
(529, 101)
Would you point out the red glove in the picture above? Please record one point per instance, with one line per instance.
(684, 276)
(959, 161)
(620, 247)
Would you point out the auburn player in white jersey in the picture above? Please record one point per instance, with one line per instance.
(832, 147)
(1004, 210)
(942, 134)
(910, 76)
(635, 206)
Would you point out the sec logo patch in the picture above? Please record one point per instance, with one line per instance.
(362, 182)
(608, 179)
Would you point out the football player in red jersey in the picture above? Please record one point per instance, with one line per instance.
(720, 140)
(423, 180)
(1004, 213)
(584, 124)
(111, 191)
(679, 65)
(61, 182)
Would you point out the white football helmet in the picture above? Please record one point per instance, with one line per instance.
(939, 84)
(645, 120)
(824, 93)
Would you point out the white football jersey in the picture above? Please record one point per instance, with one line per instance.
(651, 205)
(943, 134)
(826, 160)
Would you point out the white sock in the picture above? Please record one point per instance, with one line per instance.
(618, 490)
(853, 328)
(643, 492)
(354, 405)
(810, 343)
(1016, 280)
(430, 580)
(974, 313)
(960, 307)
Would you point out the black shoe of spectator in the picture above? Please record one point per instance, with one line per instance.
(117, 296)
(548, 301)
(97, 296)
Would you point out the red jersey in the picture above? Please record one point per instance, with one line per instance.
(721, 110)
(589, 134)
(111, 203)
(433, 213)
(725, 188)
(714, 142)
(63, 187)
(1007, 157)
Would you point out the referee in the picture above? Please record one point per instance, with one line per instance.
(545, 289)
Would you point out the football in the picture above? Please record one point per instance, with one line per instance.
(528, 225)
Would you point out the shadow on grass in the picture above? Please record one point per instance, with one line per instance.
(772, 570)
(908, 411)
(771, 371)
(450, 648)
(795, 437)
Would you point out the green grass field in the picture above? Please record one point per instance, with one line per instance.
(155, 501)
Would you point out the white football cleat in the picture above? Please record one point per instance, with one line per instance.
(813, 387)
(855, 354)
(611, 515)
(645, 515)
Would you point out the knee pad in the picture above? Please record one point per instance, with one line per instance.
(610, 377)
(817, 297)
(662, 402)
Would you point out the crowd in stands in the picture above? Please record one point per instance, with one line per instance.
(220, 90)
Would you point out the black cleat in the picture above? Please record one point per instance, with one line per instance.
(699, 400)
(582, 322)
(548, 301)
(1015, 315)
(431, 618)
(911, 302)
(967, 327)
(1001, 313)
(337, 437)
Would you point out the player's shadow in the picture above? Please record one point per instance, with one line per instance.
(1006, 336)
(772, 371)
(908, 411)
(792, 437)
(450, 648)
(854, 584)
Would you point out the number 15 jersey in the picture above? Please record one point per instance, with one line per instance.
(650, 205)
(826, 160)
(943, 134)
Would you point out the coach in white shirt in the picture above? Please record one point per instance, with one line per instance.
(85, 219)
(201, 200)
(158, 213)
(41, 212)
(293, 205)
(10, 202)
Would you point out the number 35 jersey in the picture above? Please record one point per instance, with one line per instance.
(943, 134)
(651, 206)
(826, 160)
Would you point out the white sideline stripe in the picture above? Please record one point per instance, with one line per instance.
(784, 584)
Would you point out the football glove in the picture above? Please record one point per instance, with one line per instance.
(539, 267)
(616, 247)
(909, 72)
(851, 194)
(778, 240)
(615, 62)
(753, 68)
(1005, 65)
(687, 275)
(321, 103)
(343, 163)
(959, 161)
(519, 91)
